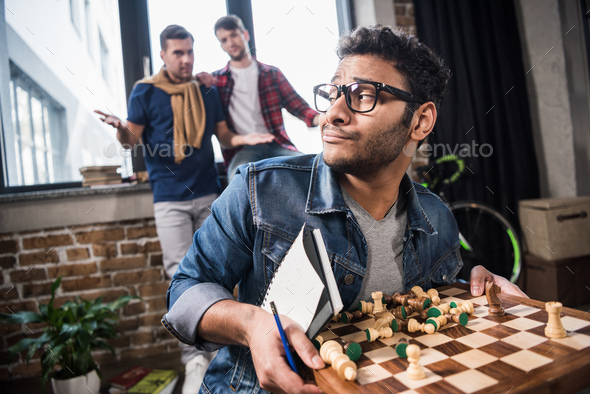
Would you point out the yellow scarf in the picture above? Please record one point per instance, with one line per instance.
(187, 108)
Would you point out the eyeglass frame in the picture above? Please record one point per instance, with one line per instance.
(379, 87)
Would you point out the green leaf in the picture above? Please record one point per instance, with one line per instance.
(22, 317)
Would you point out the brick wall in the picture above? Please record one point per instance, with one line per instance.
(106, 260)
(404, 15)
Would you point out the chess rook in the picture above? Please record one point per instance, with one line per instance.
(554, 328)
(377, 303)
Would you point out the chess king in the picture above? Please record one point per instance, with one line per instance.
(382, 231)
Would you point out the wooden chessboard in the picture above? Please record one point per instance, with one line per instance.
(491, 355)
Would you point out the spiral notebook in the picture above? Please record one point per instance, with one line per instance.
(303, 287)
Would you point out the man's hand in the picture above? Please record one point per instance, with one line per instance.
(109, 119)
(268, 354)
(256, 139)
(206, 79)
(480, 275)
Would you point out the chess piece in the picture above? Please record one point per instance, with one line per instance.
(401, 299)
(349, 317)
(415, 370)
(419, 304)
(401, 346)
(332, 353)
(401, 312)
(441, 309)
(384, 320)
(554, 328)
(398, 324)
(353, 350)
(365, 307)
(378, 304)
(495, 303)
(459, 318)
(318, 341)
(414, 326)
(465, 306)
(434, 297)
(375, 333)
(418, 292)
(387, 299)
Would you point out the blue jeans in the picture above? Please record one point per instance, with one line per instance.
(251, 153)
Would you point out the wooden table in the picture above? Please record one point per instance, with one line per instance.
(489, 355)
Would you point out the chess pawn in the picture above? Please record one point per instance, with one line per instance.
(401, 346)
(414, 326)
(417, 291)
(365, 307)
(349, 317)
(353, 350)
(378, 304)
(375, 333)
(419, 304)
(398, 325)
(401, 299)
(441, 309)
(401, 312)
(415, 370)
(387, 299)
(318, 341)
(384, 320)
(459, 318)
(434, 297)
(331, 352)
(554, 328)
(466, 306)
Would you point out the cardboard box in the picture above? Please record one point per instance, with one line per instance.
(565, 280)
(556, 228)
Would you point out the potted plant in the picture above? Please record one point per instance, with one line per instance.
(71, 332)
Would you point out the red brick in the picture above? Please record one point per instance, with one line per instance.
(28, 275)
(77, 254)
(161, 334)
(142, 276)
(36, 289)
(156, 259)
(411, 10)
(141, 232)
(48, 241)
(32, 369)
(122, 263)
(38, 258)
(104, 358)
(405, 21)
(8, 293)
(127, 324)
(104, 250)
(13, 307)
(85, 283)
(134, 308)
(121, 341)
(71, 270)
(154, 289)
(157, 304)
(9, 329)
(8, 246)
(152, 319)
(129, 248)
(400, 9)
(142, 338)
(7, 262)
(128, 354)
(115, 234)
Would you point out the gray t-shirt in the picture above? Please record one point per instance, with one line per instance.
(385, 244)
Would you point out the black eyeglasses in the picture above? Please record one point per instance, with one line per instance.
(360, 96)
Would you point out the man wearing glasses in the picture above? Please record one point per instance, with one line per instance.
(382, 231)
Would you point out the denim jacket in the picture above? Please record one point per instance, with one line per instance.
(251, 227)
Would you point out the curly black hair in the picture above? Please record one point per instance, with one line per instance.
(425, 72)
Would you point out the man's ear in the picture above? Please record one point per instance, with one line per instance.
(162, 53)
(424, 120)
(247, 35)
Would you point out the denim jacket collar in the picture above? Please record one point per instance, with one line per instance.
(328, 198)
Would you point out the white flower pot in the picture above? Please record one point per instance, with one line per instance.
(89, 383)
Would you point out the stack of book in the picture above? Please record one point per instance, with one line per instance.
(100, 175)
(140, 380)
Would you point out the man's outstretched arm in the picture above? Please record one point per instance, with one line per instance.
(128, 133)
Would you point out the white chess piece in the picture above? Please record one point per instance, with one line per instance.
(415, 370)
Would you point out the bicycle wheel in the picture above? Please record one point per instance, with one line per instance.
(487, 238)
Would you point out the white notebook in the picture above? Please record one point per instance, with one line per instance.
(303, 287)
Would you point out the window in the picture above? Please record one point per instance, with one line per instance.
(38, 121)
(75, 14)
(88, 21)
(104, 58)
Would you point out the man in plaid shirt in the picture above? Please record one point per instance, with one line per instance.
(253, 95)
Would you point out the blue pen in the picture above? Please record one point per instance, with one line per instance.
(283, 338)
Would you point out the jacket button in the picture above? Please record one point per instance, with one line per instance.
(348, 279)
(445, 278)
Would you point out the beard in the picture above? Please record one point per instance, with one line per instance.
(382, 148)
(239, 56)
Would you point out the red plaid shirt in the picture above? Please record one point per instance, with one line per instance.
(275, 93)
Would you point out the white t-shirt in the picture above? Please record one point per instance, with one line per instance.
(244, 103)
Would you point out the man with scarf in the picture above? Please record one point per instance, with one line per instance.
(176, 118)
